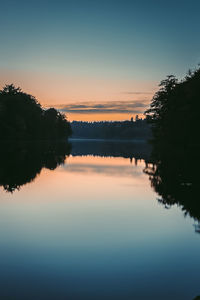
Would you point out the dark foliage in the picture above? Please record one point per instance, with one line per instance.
(23, 118)
(138, 129)
(174, 111)
(174, 116)
(174, 176)
(20, 163)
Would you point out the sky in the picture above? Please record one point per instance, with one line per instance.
(97, 60)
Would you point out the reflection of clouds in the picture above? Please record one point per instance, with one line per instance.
(109, 170)
(134, 106)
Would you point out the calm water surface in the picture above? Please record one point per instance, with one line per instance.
(93, 229)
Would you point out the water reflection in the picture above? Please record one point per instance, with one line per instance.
(21, 163)
(173, 176)
(92, 229)
(105, 166)
(132, 150)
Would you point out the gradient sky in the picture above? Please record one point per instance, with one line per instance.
(97, 59)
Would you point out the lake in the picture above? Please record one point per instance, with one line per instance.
(88, 225)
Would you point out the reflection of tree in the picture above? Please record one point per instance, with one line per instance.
(134, 150)
(21, 163)
(174, 115)
(174, 177)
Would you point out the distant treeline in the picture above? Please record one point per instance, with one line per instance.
(23, 118)
(128, 130)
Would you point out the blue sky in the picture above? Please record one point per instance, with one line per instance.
(116, 41)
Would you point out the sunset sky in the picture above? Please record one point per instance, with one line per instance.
(97, 60)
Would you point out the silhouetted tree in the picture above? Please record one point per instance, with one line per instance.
(174, 113)
(22, 118)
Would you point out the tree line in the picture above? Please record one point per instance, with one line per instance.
(174, 116)
(23, 118)
(174, 111)
(138, 129)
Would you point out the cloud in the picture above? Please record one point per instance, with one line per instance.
(110, 107)
(137, 93)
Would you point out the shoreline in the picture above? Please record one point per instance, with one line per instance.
(107, 140)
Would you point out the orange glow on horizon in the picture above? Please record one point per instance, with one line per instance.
(101, 117)
(52, 90)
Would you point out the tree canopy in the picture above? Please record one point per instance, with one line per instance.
(23, 118)
(174, 110)
(174, 115)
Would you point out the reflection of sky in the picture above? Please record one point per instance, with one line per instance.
(95, 236)
(120, 167)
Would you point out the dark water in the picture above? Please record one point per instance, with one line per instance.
(88, 225)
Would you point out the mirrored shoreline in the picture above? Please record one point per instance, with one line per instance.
(87, 213)
(172, 174)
